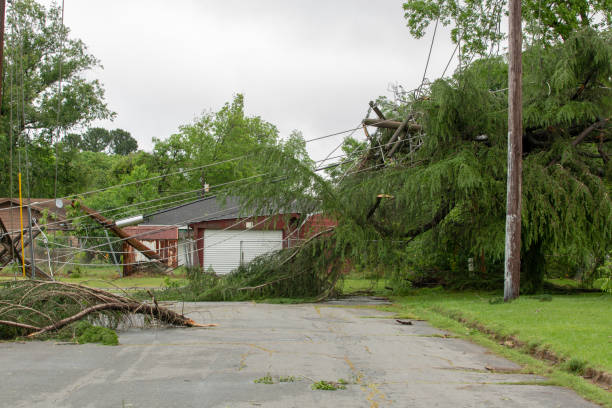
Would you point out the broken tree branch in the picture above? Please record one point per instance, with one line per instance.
(588, 130)
(397, 133)
(376, 204)
(377, 111)
(19, 325)
(162, 314)
(49, 306)
(390, 124)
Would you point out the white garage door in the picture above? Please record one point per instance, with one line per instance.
(225, 250)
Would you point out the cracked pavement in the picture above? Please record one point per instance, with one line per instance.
(385, 363)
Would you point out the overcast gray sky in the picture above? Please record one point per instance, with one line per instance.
(306, 65)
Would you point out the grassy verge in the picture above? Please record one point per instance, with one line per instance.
(356, 285)
(130, 282)
(108, 277)
(574, 329)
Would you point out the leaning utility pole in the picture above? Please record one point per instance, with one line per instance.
(512, 262)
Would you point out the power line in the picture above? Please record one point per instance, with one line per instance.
(59, 98)
(433, 38)
(200, 216)
(91, 249)
(142, 202)
(451, 58)
(197, 249)
(48, 224)
(191, 242)
(198, 190)
(182, 171)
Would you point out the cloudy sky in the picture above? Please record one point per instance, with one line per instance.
(306, 65)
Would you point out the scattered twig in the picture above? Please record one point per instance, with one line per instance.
(405, 322)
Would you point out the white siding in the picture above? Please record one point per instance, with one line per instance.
(224, 250)
(186, 248)
(140, 257)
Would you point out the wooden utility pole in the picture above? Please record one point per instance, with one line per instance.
(110, 224)
(2, 13)
(512, 262)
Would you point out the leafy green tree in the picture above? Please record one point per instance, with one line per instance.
(35, 40)
(422, 215)
(95, 139)
(476, 23)
(72, 141)
(122, 142)
(228, 140)
(132, 193)
(215, 137)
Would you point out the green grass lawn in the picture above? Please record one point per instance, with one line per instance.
(575, 327)
(108, 277)
(137, 282)
(352, 285)
(572, 326)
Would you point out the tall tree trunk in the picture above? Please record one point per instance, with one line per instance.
(533, 268)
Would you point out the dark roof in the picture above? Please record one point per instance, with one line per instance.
(10, 216)
(40, 204)
(203, 209)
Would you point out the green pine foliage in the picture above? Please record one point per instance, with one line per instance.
(448, 199)
(306, 272)
(85, 332)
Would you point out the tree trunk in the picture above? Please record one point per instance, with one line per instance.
(533, 269)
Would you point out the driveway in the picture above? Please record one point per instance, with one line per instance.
(385, 364)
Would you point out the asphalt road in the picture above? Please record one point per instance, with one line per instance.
(385, 363)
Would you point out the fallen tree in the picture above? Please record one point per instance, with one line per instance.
(438, 158)
(309, 271)
(32, 308)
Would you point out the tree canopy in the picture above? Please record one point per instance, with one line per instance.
(422, 213)
(36, 46)
(476, 23)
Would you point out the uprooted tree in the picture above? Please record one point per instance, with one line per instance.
(422, 201)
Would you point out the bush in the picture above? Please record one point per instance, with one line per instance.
(605, 271)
